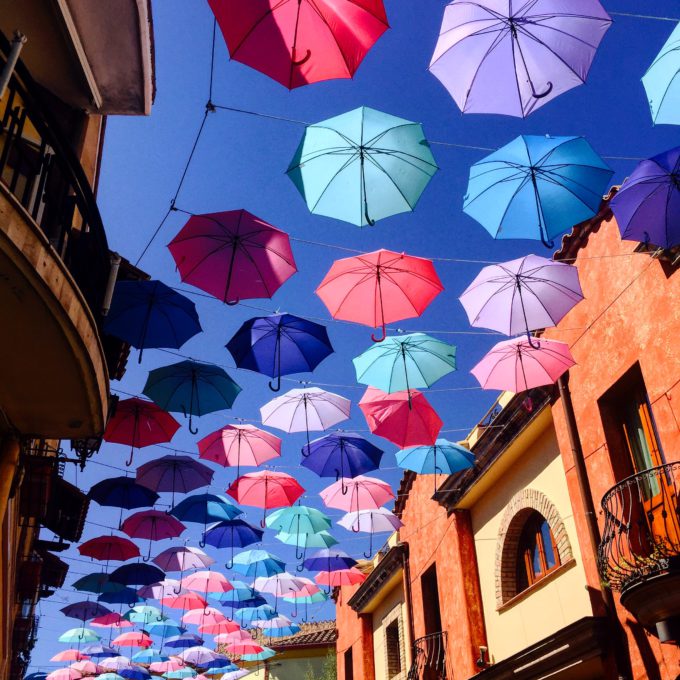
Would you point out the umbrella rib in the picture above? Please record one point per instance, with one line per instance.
(332, 179)
(387, 174)
(256, 25)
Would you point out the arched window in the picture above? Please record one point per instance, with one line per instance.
(537, 551)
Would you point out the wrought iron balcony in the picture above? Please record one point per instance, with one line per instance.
(641, 536)
(429, 658)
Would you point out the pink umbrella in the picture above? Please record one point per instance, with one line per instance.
(207, 582)
(64, 674)
(135, 639)
(236, 445)
(182, 559)
(364, 493)
(156, 591)
(238, 635)
(219, 628)
(162, 667)
(69, 655)
(517, 365)
(155, 525)
(341, 577)
(233, 255)
(266, 489)
(85, 667)
(110, 621)
(245, 647)
(188, 600)
(202, 616)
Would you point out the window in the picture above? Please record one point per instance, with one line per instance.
(431, 612)
(349, 665)
(537, 553)
(393, 649)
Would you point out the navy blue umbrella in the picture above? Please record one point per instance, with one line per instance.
(233, 533)
(127, 596)
(150, 314)
(123, 492)
(329, 559)
(84, 610)
(340, 455)
(278, 345)
(137, 574)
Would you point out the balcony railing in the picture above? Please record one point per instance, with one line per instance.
(429, 658)
(641, 534)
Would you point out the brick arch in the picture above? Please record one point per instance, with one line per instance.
(516, 514)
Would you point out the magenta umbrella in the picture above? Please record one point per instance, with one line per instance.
(233, 255)
(155, 525)
(180, 474)
(516, 365)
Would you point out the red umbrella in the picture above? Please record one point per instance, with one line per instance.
(341, 577)
(135, 639)
(109, 548)
(111, 620)
(379, 288)
(188, 600)
(155, 525)
(138, 423)
(297, 42)
(233, 255)
(404, 418)
(266, 489)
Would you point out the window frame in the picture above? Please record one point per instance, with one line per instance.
(531, 540)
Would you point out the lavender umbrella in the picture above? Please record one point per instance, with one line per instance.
(647, 208)
(513, 56)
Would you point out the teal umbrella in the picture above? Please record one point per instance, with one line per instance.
(362, 166)
(299, 519)
(266, 653)
(78, 635)
(321, 539)
(98, 582)
(662, 82)
(144, 613)
(405, 362)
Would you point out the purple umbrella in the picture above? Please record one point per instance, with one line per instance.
(522, 295)
(513, 56)
(647, 208)
(156, 591)
(84, 610)
(179, 474)
(183, 558)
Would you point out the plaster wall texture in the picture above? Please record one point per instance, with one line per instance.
(383, 615)
(355, 632)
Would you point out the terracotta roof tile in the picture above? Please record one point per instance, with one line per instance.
(314, 634)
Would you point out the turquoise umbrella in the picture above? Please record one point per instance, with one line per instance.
(266, 653)
(362, 166)
(537, 187)
(299, 519)
(321, 539)
(254, 563)
(180, 674)
(78, 635)
(148, 656)
(405, 362)
(662, 82)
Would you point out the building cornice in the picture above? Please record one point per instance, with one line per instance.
(382, 573)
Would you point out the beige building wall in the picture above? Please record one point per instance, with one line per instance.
(563, 597)
(391, 607)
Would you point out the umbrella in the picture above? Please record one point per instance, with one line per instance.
(515, 365)
(162, 667)
(155, 525)
(207, 582)
(238, 635)
(233, 255)
(218, 628)
(148, 656)
(234, 533)
(281, 626)
(405, 418)
(266, 653)
(522, 295)
(297, 43)
(164, 588)
(138, 423)
(173, 473)
(266, 489)
(378, 288)
(247, 615)
(150, 314)
(111, 620)
(184, 600)
(166, 628)
(69, 655)
(137, 574)
(300, 519)
(136, 639)
(242, 594)
(120, 596)
(123, 492)
(205, 507)
(65, 674)
(184, 640)
(329, 559)
(280, 344)
(180, 674)
(536, 187)
(372, 521)
(404, 362)
(321, 539)
(83, 611)
(181, 559)
(364, 493)
(144, 614)
(236, 445)
(97, 583)
(191, 388)
(278, 585)
(302, 410)
(340, 577)
(85, 667)
(341, 455)
(109, 548)
(362, 166)
(647, 207)
(513, 57)
(662, 82)
(98, 650)
(197, 656)
(135, 673)
(250, 563)
(235, 675)
(78, 635)
(202, 616)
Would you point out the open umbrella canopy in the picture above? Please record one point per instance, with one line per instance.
(241, 592)
(98, 582)
(206, 582)
(340, 577)
(155, 525)
(135, 639)
(155, 591)
(299, 519)
(110, 620)
(278, 585)
(266, 489)
(181, 558)
(177, 474)
(165, 628)
(65, 674)
(69, 655)
(148, 656)
(137, 574)
(321, 539)
(144, 614)
(184, 600)
(662, 82)
(362, 166)
(202, 616)
(364, 493)
(205, 508)
(85, 666)
(329, 559)
(247, 615)
(123, 595)
(183, 641)
(372, 521)
(83, 611)
(266, 653)
(403, 362)
(537, 187)
(253, 563)
(233, 255)
(135, 673)
(123, 492)
(441, 458)
(340, 455)
(378, 288)
(233, 533)
(78, 635)
(197, 656)
(218, 628)
(513, 57)
(98, 650)
(109, 549)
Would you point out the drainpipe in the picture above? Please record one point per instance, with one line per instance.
(18, 42)
(409, 598)
(621, 656)
(115, 260)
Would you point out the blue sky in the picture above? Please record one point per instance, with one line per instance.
(240, 162)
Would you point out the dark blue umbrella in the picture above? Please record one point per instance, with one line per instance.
(98, 582)
(150, 314)
(191, 388)
(137, 574)
(124, 596)
(97, 649)
(205, 508)
(184, 640)
(38, 675)
(278, 345)
(329, 559)
(340, 455)
(123, 492)
(233, 533)
(84, 610)
(134, 673)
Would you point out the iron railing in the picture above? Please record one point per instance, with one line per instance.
(429, 658)
(641, 535)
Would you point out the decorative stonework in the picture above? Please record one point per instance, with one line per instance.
(516, 514)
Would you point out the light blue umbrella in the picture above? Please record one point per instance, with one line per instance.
(266, 653)
(254, 563)
(443, 458)
(78, 635)
(180, 674)
(405, 362)
(246, 616)
(537, 187)
(148, 656)
(166, 628)
(321, 539)
(662, 82)
(362, 166)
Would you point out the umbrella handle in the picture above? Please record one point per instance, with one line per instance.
(384, 335)
(299, 62)
(300, 568)
(541, 95)
(232, 303)
(532, 344)
(128, 462)
(370, 547)
(547, 244)
(177, 592)
(301, 556)
(201, 544)
(278, 385)
(294, 613)
(192, 429)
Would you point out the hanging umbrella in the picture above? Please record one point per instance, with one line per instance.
(122, 492)
(144, 614)
(202, 616)
(329, 559)
(110, 620)
(155, 525)
(278, 585)
(177, 474)
(164, 588)
(64, 674)
(135, 673)
(362, 166)
(136, 639)
(109, 548)
(236, 445)
(69, 655)
(522, 295)
(238, 635)
(97, 583)
(78, 635)
(85, 667)
(247, 615)
(233, 255)
(266, 489)
(182, 559)
(515, 365)
(340, 455)
(365, 493)
(150, 314)
(166, 628)
(647, 207)
(207, 582)
(662, 82)
(321, 539)
(183, 641)
(204, 508)
(372, 521)
(252, 563)
(281, 626)
(137, 574)
(235, 675)
(148, 656)
(191, 388)
(97, 650)
(234, 533)
(280, 344)
(340, 577)
(245, 647)
(241, 595)
(218, 628)
(185, 600)
(405, 418)
(181, 674)
(536, 187)
(404, 362)
(378, 288)
(138, 423)
(124, 595)
(83, 611)
(266, 653)
(513, 57)
(300, 519)
(115, 663)
(305, 410)
(197, 656)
